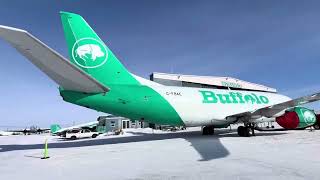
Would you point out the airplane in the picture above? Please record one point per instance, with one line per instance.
(57, 130)
(23, 131)
(6, 133)
(95, 78)
(34, 130)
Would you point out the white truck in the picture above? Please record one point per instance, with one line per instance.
(80, 133)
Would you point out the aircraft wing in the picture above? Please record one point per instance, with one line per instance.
(277, 108)
(50, 62)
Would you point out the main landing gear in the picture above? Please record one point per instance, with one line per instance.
(246, 131)
(207, 130)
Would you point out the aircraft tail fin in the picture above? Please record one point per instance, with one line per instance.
(54, 128)
(89, 52)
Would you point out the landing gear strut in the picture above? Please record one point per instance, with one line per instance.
(207, 130)
(244, 131)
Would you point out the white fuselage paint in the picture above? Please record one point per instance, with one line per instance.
(188, 103)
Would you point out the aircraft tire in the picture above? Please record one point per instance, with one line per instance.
(205, 130)
(208, 130)
(240, 131)
(243, 131)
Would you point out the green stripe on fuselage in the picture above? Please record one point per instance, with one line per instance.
(136, 102)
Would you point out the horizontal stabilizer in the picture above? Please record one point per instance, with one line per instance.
(58, 68)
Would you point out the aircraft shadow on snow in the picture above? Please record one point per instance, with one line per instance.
(208, 147)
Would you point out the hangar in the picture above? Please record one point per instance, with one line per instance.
(213, 82)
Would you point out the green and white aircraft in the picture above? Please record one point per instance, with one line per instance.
(96, 79)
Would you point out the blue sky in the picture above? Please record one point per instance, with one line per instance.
(273, 42)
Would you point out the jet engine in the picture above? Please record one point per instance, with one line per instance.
(298, 117)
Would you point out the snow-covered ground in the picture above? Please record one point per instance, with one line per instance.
(144, 154)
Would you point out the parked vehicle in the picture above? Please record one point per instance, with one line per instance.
(80, 133)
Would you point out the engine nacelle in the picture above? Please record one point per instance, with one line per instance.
(298, 117)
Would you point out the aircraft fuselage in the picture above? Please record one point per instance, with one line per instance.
(174, 105)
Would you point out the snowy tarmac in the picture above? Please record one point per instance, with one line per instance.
(144, 154)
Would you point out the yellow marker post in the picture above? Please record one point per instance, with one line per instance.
(45, 153)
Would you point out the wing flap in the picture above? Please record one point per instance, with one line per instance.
(58, 68)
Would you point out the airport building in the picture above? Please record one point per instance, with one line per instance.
(112, 123)
(214, 82)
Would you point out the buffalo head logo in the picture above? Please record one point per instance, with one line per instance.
(309, 116)
(89, 51)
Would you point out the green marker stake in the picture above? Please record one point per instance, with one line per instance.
(45, 153)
